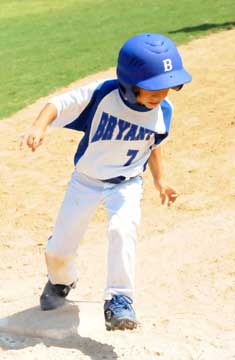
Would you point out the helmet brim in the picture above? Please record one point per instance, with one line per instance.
(166, 80)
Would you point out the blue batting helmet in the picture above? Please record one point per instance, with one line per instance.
(151, 62)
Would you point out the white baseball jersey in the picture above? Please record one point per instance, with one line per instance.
(117, 139)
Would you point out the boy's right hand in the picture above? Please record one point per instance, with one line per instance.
(32, 138)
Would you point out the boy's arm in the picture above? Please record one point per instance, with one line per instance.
(167, 192)
(33, 137)
(59, 112)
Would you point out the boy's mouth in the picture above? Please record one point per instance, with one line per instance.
(153, 104)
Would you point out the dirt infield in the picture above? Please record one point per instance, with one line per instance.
(185, 298)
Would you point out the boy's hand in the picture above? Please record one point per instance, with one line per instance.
(167, 193)
(33, 138)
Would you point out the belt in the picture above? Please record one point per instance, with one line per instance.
(117, 180)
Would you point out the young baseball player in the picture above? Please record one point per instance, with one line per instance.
(124, 121)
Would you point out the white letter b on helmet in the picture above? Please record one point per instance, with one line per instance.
(167, 65)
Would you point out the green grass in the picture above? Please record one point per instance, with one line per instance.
(47, 44)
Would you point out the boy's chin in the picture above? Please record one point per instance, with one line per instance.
(152, 106)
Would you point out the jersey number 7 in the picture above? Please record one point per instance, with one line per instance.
(132, 154)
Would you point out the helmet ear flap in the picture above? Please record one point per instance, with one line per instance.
(127, 92)
(136, 90)
(122, 88)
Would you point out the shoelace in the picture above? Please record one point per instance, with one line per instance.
(120, 302)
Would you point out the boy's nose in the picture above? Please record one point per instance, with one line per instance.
(160, 94)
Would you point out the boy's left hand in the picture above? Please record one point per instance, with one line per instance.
(167, 193)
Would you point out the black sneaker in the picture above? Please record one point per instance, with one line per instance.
(53, 296)
(119, 314)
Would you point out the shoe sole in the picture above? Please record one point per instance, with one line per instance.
(123, 324)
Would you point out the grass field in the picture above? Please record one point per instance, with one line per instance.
(47, 44)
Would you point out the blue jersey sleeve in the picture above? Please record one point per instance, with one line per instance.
(71, 104)
(84, 119)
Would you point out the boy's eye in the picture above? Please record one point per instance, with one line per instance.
(177, 88)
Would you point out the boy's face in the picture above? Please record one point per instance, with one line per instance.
(151, 98)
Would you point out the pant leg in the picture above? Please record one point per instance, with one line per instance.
(80, 202)
(122, 203)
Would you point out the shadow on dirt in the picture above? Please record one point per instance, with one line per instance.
(58, 329)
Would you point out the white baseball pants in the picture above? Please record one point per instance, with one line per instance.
(122, 203)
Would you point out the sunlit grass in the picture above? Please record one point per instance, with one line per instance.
(48, 44)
